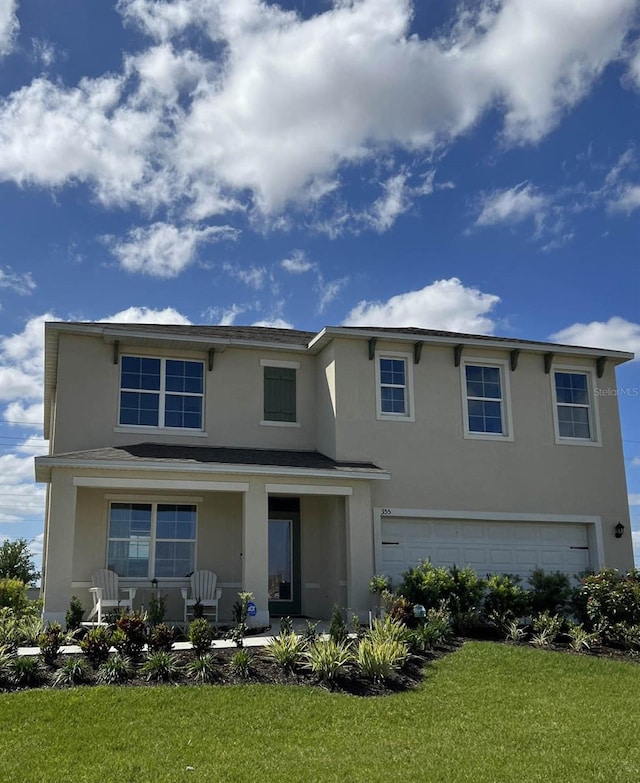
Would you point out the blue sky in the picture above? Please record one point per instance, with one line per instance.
(469, 166)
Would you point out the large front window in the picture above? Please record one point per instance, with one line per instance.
(485, 395)
(394, 386)
(161, 392)
(152, 539)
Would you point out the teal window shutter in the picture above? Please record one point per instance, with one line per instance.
(279, 394)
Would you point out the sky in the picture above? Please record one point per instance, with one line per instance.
(471, 166)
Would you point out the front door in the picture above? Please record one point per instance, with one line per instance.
(284, 563)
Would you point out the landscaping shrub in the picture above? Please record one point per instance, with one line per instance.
(203, 669)
(157, 609)
(286, 625)
(73, 671)
(29, 628)
(95, 645)
(285, 650)
(7, 654)
(549, 592)
(74, 615)
(116, 670)
(581, 639)
(242, 663)
(50, 641)
(427, 584)
(200, 635)
(546, 628)
(382, 630)
(161, 666)
(399, 608)
(337, 627)
(378, 660)
(161, 637)
(130, 635)
(27, 671)
(505, 600)
(607, 598)
(328, 660)
(436, 630)
(466, 597)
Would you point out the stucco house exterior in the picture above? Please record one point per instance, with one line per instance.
(296, 465)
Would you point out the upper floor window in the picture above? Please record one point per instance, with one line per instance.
(280, 392)
(151, 539)
(574, 410)
(161, 392)
(486, 399)
(394, 382)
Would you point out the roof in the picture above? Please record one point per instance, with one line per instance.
(160, 456)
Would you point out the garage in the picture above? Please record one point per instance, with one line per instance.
(514, 547)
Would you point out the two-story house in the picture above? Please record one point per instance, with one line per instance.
(296, 465)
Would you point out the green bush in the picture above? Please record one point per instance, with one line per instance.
(203, 669)
(7, 655)
(95, 645)
(399, 608)
(161, 666)
(382, 630)
(328, 660)
(13, 594)
(466, 598)
(505, 600)
(549, 592)
(161, 637)
(242, 663)
(200, 635)
(436, 630)
(546, 628)
(378, 660)
(28, 672)
(337, 627)
(74, 615)
(73, 671)
(116, 670)
(50, 641)
(285, 650)
(130, 635)
(427, 584)
(609, 597)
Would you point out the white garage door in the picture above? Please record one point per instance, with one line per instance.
(488, 547)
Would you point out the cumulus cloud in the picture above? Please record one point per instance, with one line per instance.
(297, 263)
(162, 249)
(627, 200)
(254, 276)
(147, 315)
(274, 323)
(444, 304)
(8, 25)
(512, 205)
(616, 334)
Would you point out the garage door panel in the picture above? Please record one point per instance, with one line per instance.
(488, 547)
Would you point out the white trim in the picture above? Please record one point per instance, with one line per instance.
(409, 414)
(135, 428)
(278, 363)
(265, 423)
(505, 401)
(250, 470)
(593, 523)
(119, 497)
(127, 483)
(594, 417)
(307, 489)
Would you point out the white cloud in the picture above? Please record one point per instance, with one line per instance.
(8, 25)
(43, 52)
(328, 291)
(297, 263)
(512, 205)
(636, 461)
(444, 304)
(147, 315)
(274, 323)
(20, 283)
(162, 20)
(627, 201)
(634, 66)
(226, 316)
(162, 249)
(634, 499)
(254, 277)
(616, 334)
(18, 413)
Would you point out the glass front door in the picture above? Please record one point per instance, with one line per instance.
(284, 565)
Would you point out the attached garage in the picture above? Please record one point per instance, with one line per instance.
(500, 546)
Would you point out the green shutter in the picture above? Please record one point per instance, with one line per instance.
(279, 394)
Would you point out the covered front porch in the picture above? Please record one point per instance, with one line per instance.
(298, 537)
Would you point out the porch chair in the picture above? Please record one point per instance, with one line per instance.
(202, 590)
(106, 594)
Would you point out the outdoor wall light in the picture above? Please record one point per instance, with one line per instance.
(154, 581)
(619, 530)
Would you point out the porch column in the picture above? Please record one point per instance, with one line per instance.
(61, 526)
(255, 550)
(359, 539)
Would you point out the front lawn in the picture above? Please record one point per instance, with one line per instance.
(487, 713)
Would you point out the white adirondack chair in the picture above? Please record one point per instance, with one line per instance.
(106, 594)
(203, 590)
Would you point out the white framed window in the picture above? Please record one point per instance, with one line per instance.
(152, 539)
(394, 386)
(575, 415)
(486, 399)
(158, 392)
(279, 393)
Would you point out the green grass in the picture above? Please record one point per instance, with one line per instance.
(488, 713)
